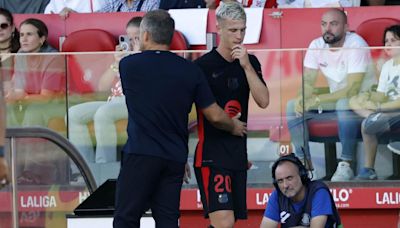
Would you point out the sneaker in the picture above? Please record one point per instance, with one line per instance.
(394, 147)
(343, 172)
(367, 174)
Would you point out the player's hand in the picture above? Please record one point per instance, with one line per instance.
(240, 128)
(188, 175)
(4, 173)
(240, 52)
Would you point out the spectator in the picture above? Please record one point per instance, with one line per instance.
(9, 38)
(213, 4)
(75, 6)
(9, 43)
(4, 172)
(24, 6)
(129, 6)
(314, 3)
(160, 88)
(35, 93)
(297, 201)
(373, 2)
(103, 113)
(37, 79)
(221, 159)
(181, 4)
(345, 70)
(109, 6)
(381, 108)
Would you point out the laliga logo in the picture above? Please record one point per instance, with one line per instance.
(341, 195)
(232, 108)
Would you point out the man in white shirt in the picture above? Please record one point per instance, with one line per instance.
(316, 3)
(344, 70)
(64, 7)
(213, 4)
(80, 6)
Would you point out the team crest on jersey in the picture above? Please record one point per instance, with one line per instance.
(305, 220)
(223, 198)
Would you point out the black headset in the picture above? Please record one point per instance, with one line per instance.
(305, 179)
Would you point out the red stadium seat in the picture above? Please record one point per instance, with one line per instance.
(84, 70)
(179, 42)
(372, 32)
(89, 40)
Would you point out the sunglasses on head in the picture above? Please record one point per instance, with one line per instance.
(4, 25)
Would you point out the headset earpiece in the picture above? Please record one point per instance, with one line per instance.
(291, 158)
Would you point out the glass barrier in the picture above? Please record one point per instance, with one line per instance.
(42, 190)
(79, 96)
(348, 108)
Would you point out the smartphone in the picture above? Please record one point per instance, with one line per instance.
(125, 43)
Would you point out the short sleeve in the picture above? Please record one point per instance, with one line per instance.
(321, 203)
(311, 58)
(383, 78)
(257, 67)
(272, 210)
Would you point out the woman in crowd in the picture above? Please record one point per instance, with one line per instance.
(9, 36)
(9, 43)
(35, 96)
(380, 108)
(38, 79)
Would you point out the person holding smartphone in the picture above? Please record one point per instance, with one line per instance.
(103, 113)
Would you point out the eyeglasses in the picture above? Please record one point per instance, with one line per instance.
(4, 25)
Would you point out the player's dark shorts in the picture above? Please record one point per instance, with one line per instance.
(222, 189)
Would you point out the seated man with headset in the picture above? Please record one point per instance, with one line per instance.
(297, 201)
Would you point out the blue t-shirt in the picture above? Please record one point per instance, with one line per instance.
(160, 88)
(321, 205)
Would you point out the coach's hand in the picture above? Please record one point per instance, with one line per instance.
(240, 128)
(188, 175)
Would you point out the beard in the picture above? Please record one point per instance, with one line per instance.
(330, 38)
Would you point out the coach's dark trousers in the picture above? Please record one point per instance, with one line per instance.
(148, 182)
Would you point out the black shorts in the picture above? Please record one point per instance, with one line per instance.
(222, 189)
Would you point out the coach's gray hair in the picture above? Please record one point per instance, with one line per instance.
(231, 10)
(160, 25)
